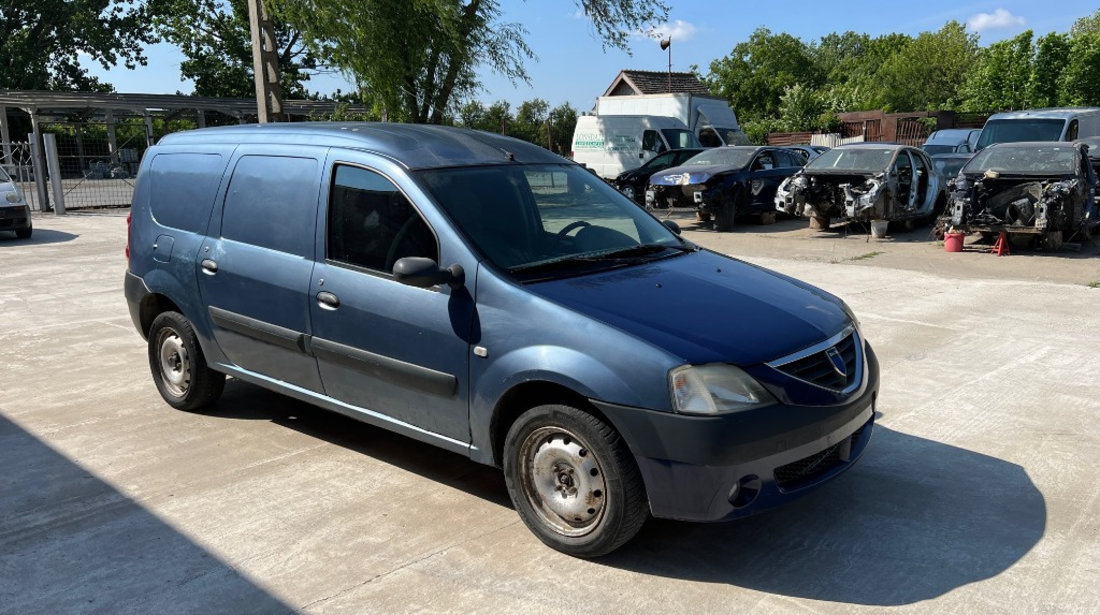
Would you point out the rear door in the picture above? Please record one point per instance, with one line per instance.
(383, 346)
(256, 262)
(768, 170)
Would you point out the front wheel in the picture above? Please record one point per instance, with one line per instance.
(573, 481)
(727, 213)
(178, 365)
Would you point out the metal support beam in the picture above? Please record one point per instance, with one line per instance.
(112, 136)
(5, 135)
(148, 128)
(54, 167)
(265, 63)
(38, 154)
(200, 118)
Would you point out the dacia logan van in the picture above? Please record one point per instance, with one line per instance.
(486, 296)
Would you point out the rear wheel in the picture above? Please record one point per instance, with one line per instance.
(573, 481)
(727, 212)
(178, 366)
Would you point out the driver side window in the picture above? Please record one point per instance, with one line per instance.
(371, 224)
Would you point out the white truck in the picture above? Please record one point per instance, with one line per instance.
(710, 118)
(610, 145)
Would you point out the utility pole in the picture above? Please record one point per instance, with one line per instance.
(265, 63)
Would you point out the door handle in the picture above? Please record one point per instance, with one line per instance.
(327, 300)
(209, 267)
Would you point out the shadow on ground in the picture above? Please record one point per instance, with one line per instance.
(71, 543)
(38, 237)
(915, 519)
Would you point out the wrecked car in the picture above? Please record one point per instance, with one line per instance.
(866, 182)
(1042, 189)
(725, 183)
(633, 183)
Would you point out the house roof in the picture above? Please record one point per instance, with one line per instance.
(636, 82)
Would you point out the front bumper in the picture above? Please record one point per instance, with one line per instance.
(15, 218)
(724, 467)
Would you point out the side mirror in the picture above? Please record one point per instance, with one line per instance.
(424, 273)
(672, 226)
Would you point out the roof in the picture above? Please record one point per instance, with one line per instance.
(1051, 113)
(416, 146)
(635, 82)
(94, 104)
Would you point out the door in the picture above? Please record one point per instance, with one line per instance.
(768, 170)
(383, 346)
(255, 264)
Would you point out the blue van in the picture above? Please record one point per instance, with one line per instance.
(484, 295)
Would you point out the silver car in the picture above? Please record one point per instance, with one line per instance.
(865, 182)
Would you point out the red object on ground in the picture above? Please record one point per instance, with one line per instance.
(953, 242)
(1001, 247)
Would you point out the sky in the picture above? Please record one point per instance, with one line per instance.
(572, 66)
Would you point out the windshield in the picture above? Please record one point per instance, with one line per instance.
(949, 167)
(736, 157)
(678, 138)
(1014, 131)
(857, 159)
(521, 216)
(1024, 160)
(939, 149)
(733, 136)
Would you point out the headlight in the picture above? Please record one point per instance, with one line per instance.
(716, 388)
(13, 197)
(851, 316)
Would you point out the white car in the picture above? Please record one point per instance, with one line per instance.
(15, 214)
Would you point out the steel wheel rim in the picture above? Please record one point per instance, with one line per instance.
(174, 363)
(562, 481)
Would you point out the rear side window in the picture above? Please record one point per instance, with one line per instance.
(372, 224)
(272, 203)
(182, 189)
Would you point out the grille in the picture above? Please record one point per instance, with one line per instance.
(818, 368)
(807, 469)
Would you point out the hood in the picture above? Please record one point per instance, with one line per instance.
(704, 307)
(684, 175)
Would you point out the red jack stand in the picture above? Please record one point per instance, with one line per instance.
(1001, 247)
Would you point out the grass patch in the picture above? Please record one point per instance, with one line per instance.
(867, 256)
(1094, 284)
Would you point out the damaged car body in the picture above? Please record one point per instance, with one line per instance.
(725, 183)
(872, 181)
(1042, 189)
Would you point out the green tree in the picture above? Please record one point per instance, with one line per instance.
(800, 109)
(530, 122)
(1051, 57)
(215, 37)
(563, 122)
(1002, 77)
(755, 74)
(417, 57)
(1079, 83)
(42, 41)
(929, 72)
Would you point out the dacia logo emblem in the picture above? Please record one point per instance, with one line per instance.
(837, 361)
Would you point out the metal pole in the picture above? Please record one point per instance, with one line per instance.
(38, 157)
(670, 65)
(5, 135)
(265, 63)
(54, 167)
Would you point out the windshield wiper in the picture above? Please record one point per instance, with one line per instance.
(618, 258)
(643, 250)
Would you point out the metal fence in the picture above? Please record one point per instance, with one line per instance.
(94, 171)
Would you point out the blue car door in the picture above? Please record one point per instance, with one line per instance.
(383, 347)
(255, 264)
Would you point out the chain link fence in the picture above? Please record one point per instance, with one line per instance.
(94, 171)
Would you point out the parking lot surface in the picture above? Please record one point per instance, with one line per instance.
(978, 493)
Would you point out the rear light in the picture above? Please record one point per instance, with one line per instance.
(129, 220)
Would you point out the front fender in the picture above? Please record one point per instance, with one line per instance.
(583, 374)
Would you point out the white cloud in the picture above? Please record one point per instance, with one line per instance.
(999, 18)
(679, 30)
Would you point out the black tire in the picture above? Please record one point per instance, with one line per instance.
(178, 366)
(727, 212)
(820, 223)
(24, 233)
(598, 499)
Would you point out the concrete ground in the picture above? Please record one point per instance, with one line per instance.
(978, 494)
